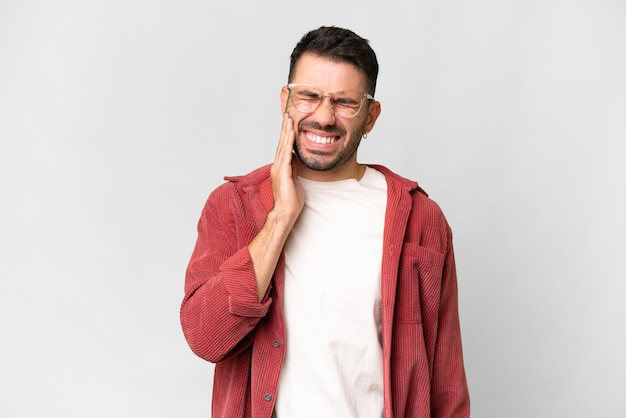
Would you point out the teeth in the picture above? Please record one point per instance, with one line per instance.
(321, 139)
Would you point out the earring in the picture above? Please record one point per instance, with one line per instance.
(364, 135)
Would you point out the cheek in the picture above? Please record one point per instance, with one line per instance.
(296, 124)
(356, 130)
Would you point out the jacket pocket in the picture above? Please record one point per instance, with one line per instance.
(419, 279)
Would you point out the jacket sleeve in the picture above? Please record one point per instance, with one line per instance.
(449, 396)
(220, 309)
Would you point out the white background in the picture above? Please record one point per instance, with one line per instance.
(117, 118)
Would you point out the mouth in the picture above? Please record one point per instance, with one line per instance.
(319, 139)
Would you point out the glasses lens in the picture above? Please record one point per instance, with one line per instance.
(307, 99)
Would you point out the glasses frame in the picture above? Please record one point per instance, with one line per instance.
(330, 96)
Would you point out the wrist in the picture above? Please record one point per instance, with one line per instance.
(279, 221)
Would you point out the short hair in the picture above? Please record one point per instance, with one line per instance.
(340, 45)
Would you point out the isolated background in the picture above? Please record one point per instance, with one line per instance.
(117, 118)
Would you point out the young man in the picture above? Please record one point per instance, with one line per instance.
(321, 287)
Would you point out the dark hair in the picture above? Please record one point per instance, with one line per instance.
(340, 45)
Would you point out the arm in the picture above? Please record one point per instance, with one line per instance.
(227, 282)
(220, 307)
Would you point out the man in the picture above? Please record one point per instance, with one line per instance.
(321, 287)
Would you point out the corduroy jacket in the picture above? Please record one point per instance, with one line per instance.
(224, 322)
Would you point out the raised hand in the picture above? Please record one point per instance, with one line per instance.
(266, 247)
(288, 192)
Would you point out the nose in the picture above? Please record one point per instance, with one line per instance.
(325, 111)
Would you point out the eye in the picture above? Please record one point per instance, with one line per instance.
(345, 101)
(308, 95)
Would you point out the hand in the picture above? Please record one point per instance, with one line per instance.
(266, 247)
(288, 192)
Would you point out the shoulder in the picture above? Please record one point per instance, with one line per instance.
(248, 195)
(235, 186)
(399, 184)
(254, 177)
(396, 180)
(426, 218)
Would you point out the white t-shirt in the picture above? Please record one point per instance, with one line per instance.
(332, 303)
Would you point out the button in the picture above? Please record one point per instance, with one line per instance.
(276, 343)
(267, 397)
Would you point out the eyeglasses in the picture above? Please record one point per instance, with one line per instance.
(345, 103)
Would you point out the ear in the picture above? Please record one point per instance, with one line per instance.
(284, 96)
(373, 112)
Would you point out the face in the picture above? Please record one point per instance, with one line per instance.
(326, 144)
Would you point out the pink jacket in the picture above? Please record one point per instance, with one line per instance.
(224, 322)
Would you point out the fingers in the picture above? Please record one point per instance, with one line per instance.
(285, 143)
(288, 192)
